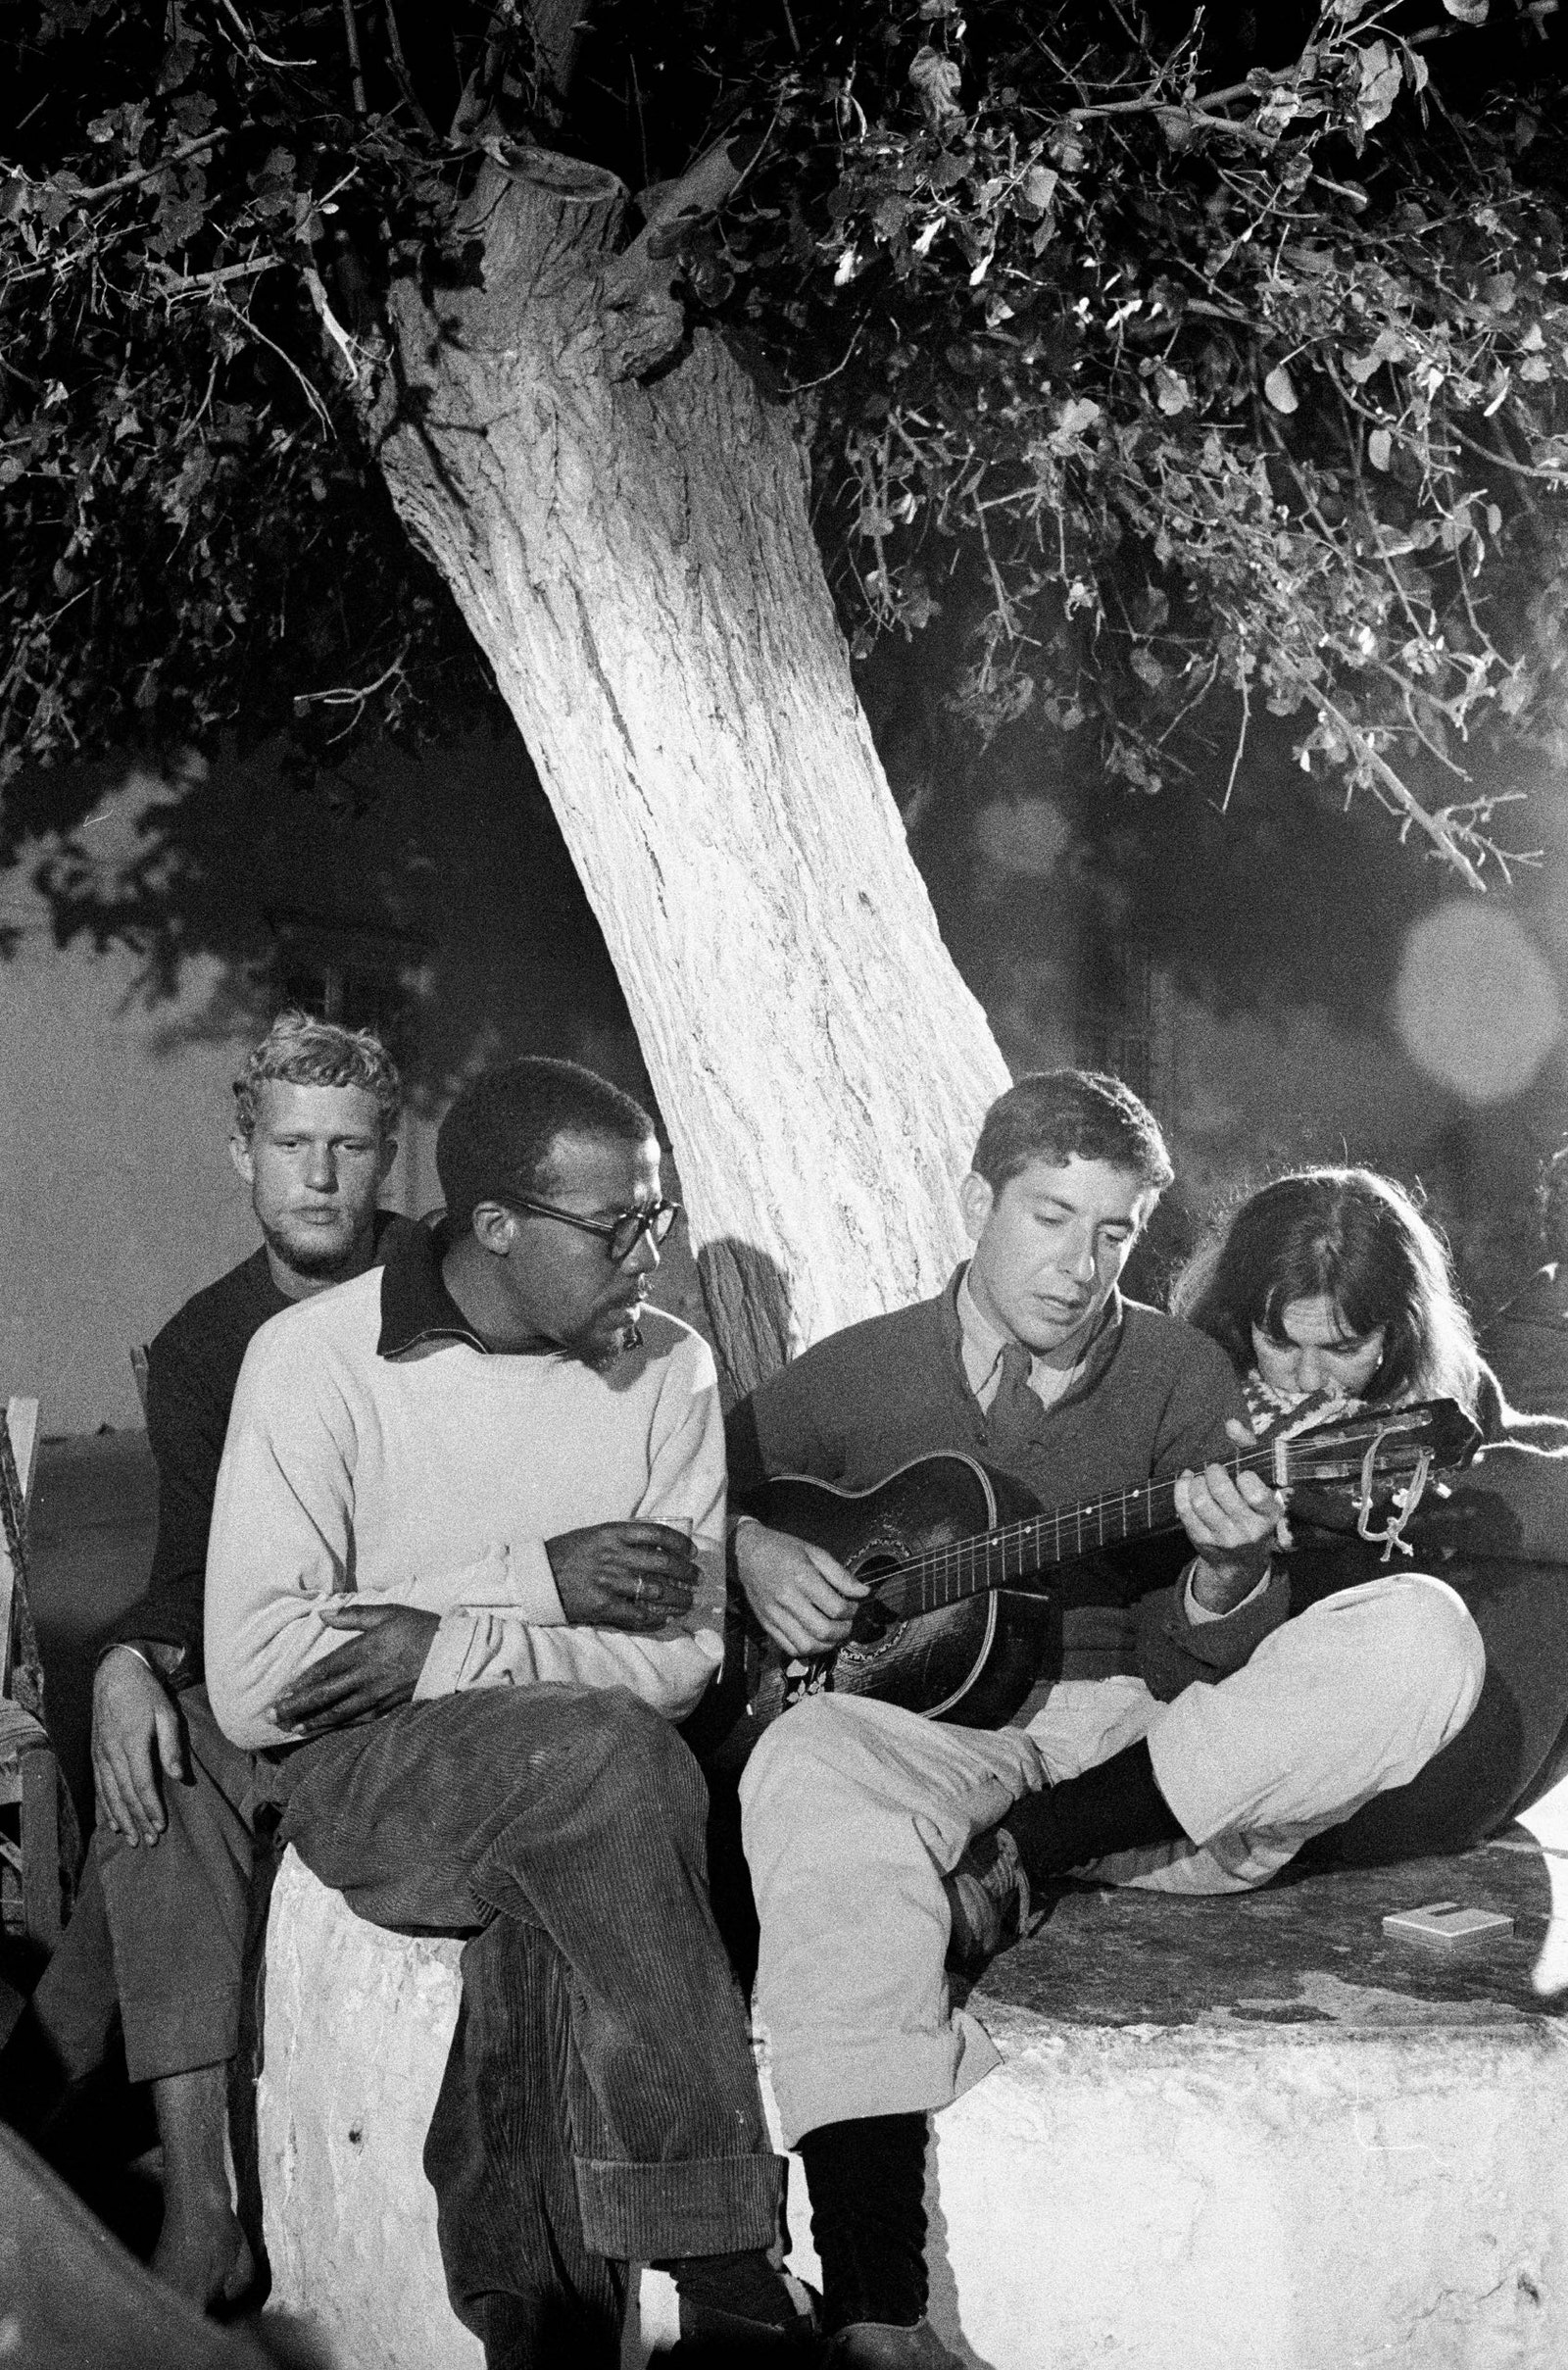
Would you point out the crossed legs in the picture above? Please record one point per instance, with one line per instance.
(856, 1813)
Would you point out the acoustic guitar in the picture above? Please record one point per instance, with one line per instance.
(967, 1573)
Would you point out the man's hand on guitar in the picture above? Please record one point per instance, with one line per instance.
(804, 1600)
(1230, 1519)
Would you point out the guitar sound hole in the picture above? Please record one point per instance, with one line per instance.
(873, 1620)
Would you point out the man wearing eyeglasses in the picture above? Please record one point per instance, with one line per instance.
(466, 1572)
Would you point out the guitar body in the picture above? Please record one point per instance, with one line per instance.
(972, 1661)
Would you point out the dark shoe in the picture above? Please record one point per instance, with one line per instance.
(880, 2345)
(714, 2337)
(988, 1894)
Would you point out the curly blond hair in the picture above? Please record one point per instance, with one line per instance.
(300, 1051)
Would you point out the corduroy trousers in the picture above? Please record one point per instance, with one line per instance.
(600, 2101)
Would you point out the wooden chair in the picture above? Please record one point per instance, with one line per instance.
(29, 1784)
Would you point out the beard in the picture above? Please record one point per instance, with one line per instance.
(596, 1349)
(319, 1253)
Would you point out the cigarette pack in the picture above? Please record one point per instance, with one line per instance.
(1443, 1925)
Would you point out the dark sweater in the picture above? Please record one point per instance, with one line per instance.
(1498, 1536)
(1151, 1402)
(192, 1367)
(1527, 1344)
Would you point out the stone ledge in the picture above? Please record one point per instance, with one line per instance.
(1317, 2172)
(342, 2110)
(1298, 2198)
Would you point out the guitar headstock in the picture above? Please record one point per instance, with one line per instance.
(1439, 1429)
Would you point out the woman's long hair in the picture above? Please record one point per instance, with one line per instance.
(1358, 1240)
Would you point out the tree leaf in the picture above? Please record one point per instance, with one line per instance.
(1172, 392)
(1037, 430)
(1469, 12)
(1381, 81)
(1039, 184)
(937, 80)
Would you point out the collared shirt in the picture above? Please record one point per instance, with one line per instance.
(417, 1312)
(984, 1345)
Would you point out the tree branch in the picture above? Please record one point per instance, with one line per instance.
(178, 284)
(1213, 100)
(1399, 793)
(351, 35)
(702, 188)
(150, 172)
(1241, 743)
(1520, 469)
(347, 346)
(405, 81)
(558, 28)
(644, 321)
(312, 396)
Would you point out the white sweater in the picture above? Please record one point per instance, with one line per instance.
(434, 1479)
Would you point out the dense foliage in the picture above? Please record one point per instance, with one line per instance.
(194, 531)
(1182, 371)
(1167, 383)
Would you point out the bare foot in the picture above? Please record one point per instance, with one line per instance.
(204, 2258)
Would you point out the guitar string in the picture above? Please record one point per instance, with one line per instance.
(945, 1575)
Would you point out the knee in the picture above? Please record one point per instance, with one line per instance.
(809, 1749)
(633, 1750)
(599, 1745)
(1432, 1650)
(814, 1777)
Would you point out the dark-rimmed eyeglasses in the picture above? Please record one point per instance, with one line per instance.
(620, 1234)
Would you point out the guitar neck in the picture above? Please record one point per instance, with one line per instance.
(1012, 1556)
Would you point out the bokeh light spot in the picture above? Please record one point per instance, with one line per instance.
(1476, 1004)
(1026, 835)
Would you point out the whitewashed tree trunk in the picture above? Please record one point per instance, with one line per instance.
(637, 562)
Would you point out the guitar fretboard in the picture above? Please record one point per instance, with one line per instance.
(1019, 1551)
(1016, 1553)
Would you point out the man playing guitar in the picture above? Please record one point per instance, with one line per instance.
(872, 1832)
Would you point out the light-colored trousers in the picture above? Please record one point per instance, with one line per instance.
(855, 1811)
